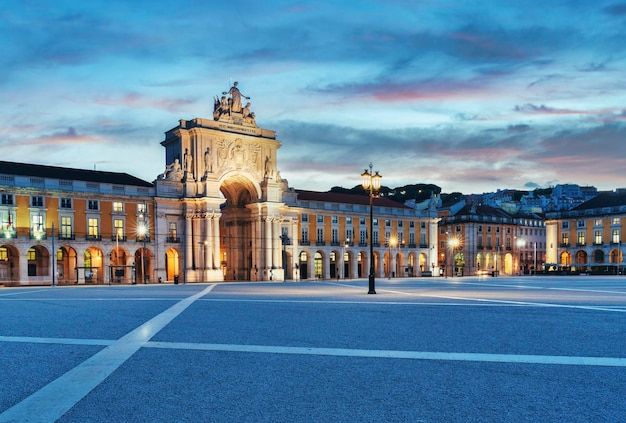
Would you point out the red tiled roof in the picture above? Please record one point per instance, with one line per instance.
(337, 197)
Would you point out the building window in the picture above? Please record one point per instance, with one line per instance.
(304, 240)
(118, 206)
(581, 224)
(581, 238)
(480, 228)
(423, 240)
(400, 224)
(388, 222)
(36, 223)
(597, 237)
(362, 221)
(411, 239)
(615, 236)
(616, 221)
(411, 224)
(92, 205)
(375, 222)
(334, 219)
(480, 241)
(363, 237)
(320, 218)
(66, 203)
(304, 217)
(172, 232)
(597, 222)
(36, 201)
(66, 228)
(118, 225)
(423, 226)
(7, 199)
(334, 233)
(488, 229)
(565, 225)
(320, 236)
(349, 236)
(92, 228)
(348, 220)
(142, 208)
(375, 237)
(565, 239)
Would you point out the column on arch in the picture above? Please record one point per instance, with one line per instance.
(268, 243)
(216, 239)
(277, 244)
(188, 242)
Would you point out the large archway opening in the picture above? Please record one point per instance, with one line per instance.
(239, 230)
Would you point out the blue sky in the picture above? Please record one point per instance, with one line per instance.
(470, 96)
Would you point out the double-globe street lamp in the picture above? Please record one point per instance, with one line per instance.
(371, 182)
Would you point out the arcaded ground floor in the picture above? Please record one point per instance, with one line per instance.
(470, 349)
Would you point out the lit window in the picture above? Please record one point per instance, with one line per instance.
(615, 236)
(142, 208)
(118, 224)
(118, 206)
(93, 228)
(581, 238)
(66, 227)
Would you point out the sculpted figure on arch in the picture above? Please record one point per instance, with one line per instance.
(236, 97)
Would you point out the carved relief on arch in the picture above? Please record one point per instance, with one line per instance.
(238, 155)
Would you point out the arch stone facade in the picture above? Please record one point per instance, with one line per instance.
(222, 195)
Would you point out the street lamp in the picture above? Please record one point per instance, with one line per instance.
(453, 242)
(142, 231)
(371, 182)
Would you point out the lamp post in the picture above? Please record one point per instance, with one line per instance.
(143, 232)
(452, 244)
(371, 182)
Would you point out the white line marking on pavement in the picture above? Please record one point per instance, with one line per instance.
(55, 399)
(64, 341)
(411, 355)
(619, 309)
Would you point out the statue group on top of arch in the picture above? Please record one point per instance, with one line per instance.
(233, 105)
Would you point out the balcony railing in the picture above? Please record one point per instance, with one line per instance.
(118, 238)
(173, 239)
(94, 237)
(70, 237)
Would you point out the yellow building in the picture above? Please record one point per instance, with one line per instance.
(66, 226)
(589, 238)
(484, 240)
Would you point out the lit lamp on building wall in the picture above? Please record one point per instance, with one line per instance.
(392, 243)
(371, 182)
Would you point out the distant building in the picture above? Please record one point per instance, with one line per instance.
(588, 238)
(482, 240)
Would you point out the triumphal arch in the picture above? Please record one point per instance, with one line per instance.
(220, 205)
